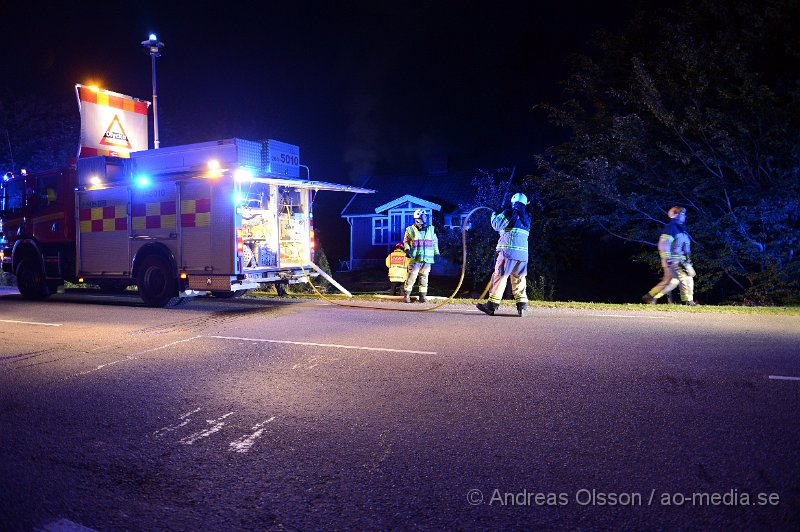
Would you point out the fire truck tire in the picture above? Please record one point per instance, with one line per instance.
(31, 281)
(157, 286)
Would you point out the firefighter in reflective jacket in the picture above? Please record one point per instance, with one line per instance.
(397, 262)
(514, 226)
(421, 247)
(674, 249)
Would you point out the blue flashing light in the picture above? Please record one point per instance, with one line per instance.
(238, 198)
(143, 181)
(153, 37)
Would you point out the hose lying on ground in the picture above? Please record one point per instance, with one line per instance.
(455, 292)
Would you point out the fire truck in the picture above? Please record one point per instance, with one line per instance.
(213, 217)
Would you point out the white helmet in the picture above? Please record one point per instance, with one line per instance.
(519, 197)
(419, 213)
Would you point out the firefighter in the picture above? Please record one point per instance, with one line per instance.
(397, 262)
(514, 226)
(681, 253)
(421, 247)
(674, 249)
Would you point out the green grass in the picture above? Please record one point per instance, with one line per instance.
(661, 307)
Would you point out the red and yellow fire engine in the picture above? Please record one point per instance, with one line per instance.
(176, 222)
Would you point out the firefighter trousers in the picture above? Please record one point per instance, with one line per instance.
(670, 281)
(686, 284)
(421, 270)
(505, 268)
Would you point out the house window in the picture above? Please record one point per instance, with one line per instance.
(454, 221)
(380, 231)
(401, 218)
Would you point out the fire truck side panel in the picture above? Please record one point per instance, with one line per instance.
(154, 217)
(104, 227)
(223, 235)
(194, 220)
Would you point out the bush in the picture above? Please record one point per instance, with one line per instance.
(321, 260)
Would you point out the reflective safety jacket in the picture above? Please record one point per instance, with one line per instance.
(397, 262)
(514, 226)
(682, 247)
(423, 245)
(667, 242)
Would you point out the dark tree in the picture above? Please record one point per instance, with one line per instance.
(696, 106)
(37, 134)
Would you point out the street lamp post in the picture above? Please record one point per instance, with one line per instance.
(153, 47)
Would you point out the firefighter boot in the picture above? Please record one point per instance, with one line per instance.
(422, 298)
(522, 309)
(407, 297)
(488, 307)
(648, 299)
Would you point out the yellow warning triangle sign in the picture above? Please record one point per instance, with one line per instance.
(115, 135)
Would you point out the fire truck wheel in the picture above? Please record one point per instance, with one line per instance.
(30, 280)
(157, 286)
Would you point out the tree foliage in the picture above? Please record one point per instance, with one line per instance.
(493, 190)
(37, 134)
(697, 106)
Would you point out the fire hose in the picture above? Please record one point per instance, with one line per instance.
(464, 224)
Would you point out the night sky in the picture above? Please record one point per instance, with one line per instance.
(361, 87)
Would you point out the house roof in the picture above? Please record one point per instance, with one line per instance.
(410, 199)
(448, 190)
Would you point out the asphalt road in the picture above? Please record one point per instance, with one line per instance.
(259, 414)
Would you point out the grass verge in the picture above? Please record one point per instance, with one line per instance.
(639, 307)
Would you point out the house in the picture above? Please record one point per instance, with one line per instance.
(378, 221)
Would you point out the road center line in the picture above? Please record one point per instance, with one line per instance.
(163, 346)
(33, 323)
(340, 346)
(783, 378)
(131, 357)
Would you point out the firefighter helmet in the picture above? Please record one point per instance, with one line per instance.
(519, 197)
(419, 213)
(676, 211)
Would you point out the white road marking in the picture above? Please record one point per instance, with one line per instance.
(131, 357)
(101, 366)
(33, 323)
(340, 346)
(216, 426)
(164, 346)
(243, 444)
(783, 378)
(65, 525)
(171, 428)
